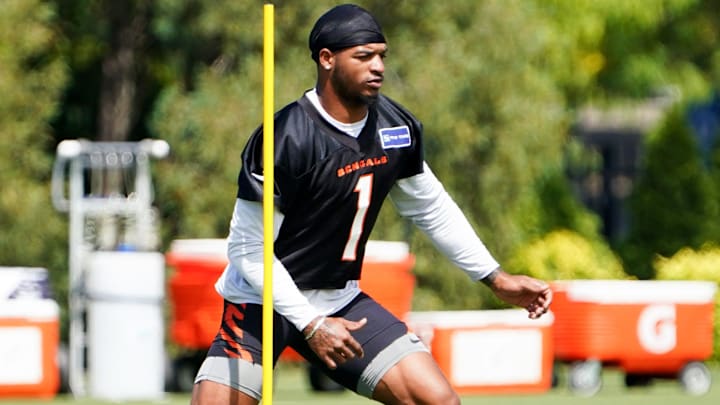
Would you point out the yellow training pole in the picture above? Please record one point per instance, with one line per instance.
(268, 205)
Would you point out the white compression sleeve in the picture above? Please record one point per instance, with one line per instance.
(245, 251)
(423, 200)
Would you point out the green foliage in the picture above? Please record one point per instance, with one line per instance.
(208, 123)
(32, 77)
(659, 43)
(566, 255)
(442, 286)
(475, 138)
(690, 264)
(206, 146)
(559, 208)
(714, 171)
(694, 264)
(673, 204)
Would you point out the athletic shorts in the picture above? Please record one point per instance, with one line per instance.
(235, 357)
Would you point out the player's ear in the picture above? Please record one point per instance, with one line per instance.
(326, 59)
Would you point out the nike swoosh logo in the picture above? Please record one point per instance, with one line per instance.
(258, 177)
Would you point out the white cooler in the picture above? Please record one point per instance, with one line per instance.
(489, 351)
(125, 332)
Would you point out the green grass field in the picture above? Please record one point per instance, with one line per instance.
(291, 387)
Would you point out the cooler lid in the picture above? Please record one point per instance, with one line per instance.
(639, 291)
(41, 310)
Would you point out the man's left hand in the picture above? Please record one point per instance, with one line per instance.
(523, 291)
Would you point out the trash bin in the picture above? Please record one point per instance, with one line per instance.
(125, 333)
(489, 351)
(29, 334)
(646, 328)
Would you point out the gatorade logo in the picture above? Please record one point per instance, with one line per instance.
(657, 329)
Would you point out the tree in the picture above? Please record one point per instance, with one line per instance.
(32, 77)
(113, 56)
(669, 43)
(673, 204)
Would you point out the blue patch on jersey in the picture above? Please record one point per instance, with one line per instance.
(395, 137)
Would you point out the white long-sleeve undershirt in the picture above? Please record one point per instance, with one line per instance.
(424, 201)
(420, 198)
(242, 281)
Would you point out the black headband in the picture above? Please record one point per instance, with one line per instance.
(342, 27)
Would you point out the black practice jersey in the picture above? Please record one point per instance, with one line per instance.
(330, 186)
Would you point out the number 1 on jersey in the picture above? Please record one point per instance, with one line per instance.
(364, 190)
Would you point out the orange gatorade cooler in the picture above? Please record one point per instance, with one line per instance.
(29, 334)
(647, 328)
(196, 307)
(387, 275)
(29, 339)
(489, 351)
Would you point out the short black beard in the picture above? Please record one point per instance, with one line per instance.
(347, 96)
(371, 100)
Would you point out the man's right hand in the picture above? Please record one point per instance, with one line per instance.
(332, 341)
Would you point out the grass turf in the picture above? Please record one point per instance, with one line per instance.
(291, 387)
